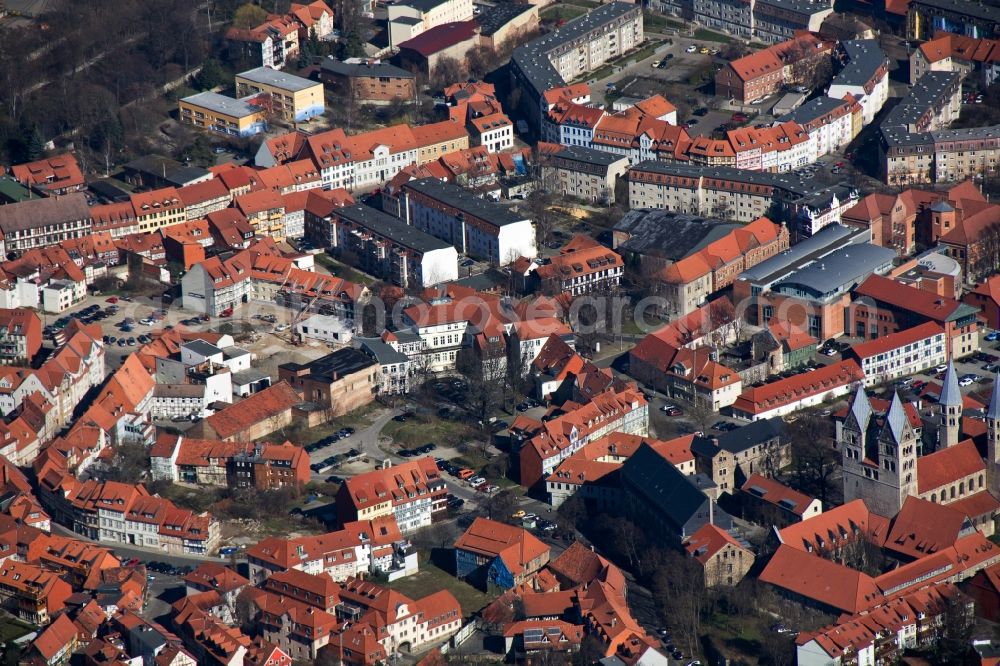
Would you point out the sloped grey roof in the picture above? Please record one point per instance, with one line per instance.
(670, 493)
(895, 419)
(861, 408)
(951, 395)
(752, 434)
(993, 411)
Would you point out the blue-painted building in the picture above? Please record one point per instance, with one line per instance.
(291, 97)
(497, 555)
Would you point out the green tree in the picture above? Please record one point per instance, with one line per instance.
(350, 46)
(199, 153)
(34, 144)
(249, 16)
(211, 75)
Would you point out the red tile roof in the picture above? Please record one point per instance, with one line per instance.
(777, 493)
(51, 173)
(393, 484)
(516, 546)
(816, 578)
(824, 532)
(705, 543)
(920, 301)
(944, 467)
(922, 527)
(786, 391)
(896, 340)
(258, 407)
(441, 37)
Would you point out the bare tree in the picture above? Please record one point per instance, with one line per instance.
(446, 71)
(678, 591)
(814, 458)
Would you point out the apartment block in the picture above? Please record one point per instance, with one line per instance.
(374, 82)
(580, 46)
(291, 98)
(584, 173)
(413, 492)
(209, 110)
(948, 52)
(474, 226)
(390, 248)
(44, 221)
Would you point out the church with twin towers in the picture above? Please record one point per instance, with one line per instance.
(882, 441)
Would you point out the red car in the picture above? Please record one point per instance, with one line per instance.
(739, 117)
(112, 299)
(228, 312)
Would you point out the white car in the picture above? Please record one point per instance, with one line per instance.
(965, 381)
(281, 327)
(476, 481)
(147, 322)
(941, 368)
(691, 49)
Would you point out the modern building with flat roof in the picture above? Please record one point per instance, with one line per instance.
(473, 225)
(292, 97)
(392, 249)
(578, 47)
(218, 113)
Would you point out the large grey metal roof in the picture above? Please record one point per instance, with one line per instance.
(532, 58)
(362, 69)
(979, 10)
(839, 270)
(811, 110)
(496, 17)
(823, 242)
(669, 492)
(601, 158)
(864, 57)
(278, 79)
(789, 183)
(932, 91)
(383, 352)
(667, 234)
(752, 434)
(806, 7)
(237, 108)
(391, 228)
(465, 201)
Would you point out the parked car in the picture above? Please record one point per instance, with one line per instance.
(476, 481)
(691, 49)
(992, 336)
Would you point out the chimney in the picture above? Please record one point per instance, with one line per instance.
(711, 512)
(713, 355)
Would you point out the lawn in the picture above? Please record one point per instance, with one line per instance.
(562, 12)
(415, 432)
(12, 628)
(358, 419)
(655, 22)
(342, 271)
(430, 578)
(710, 36)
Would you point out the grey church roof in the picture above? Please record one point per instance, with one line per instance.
(951, 396)
(895, 420)
(993, 411)
(861, 408)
